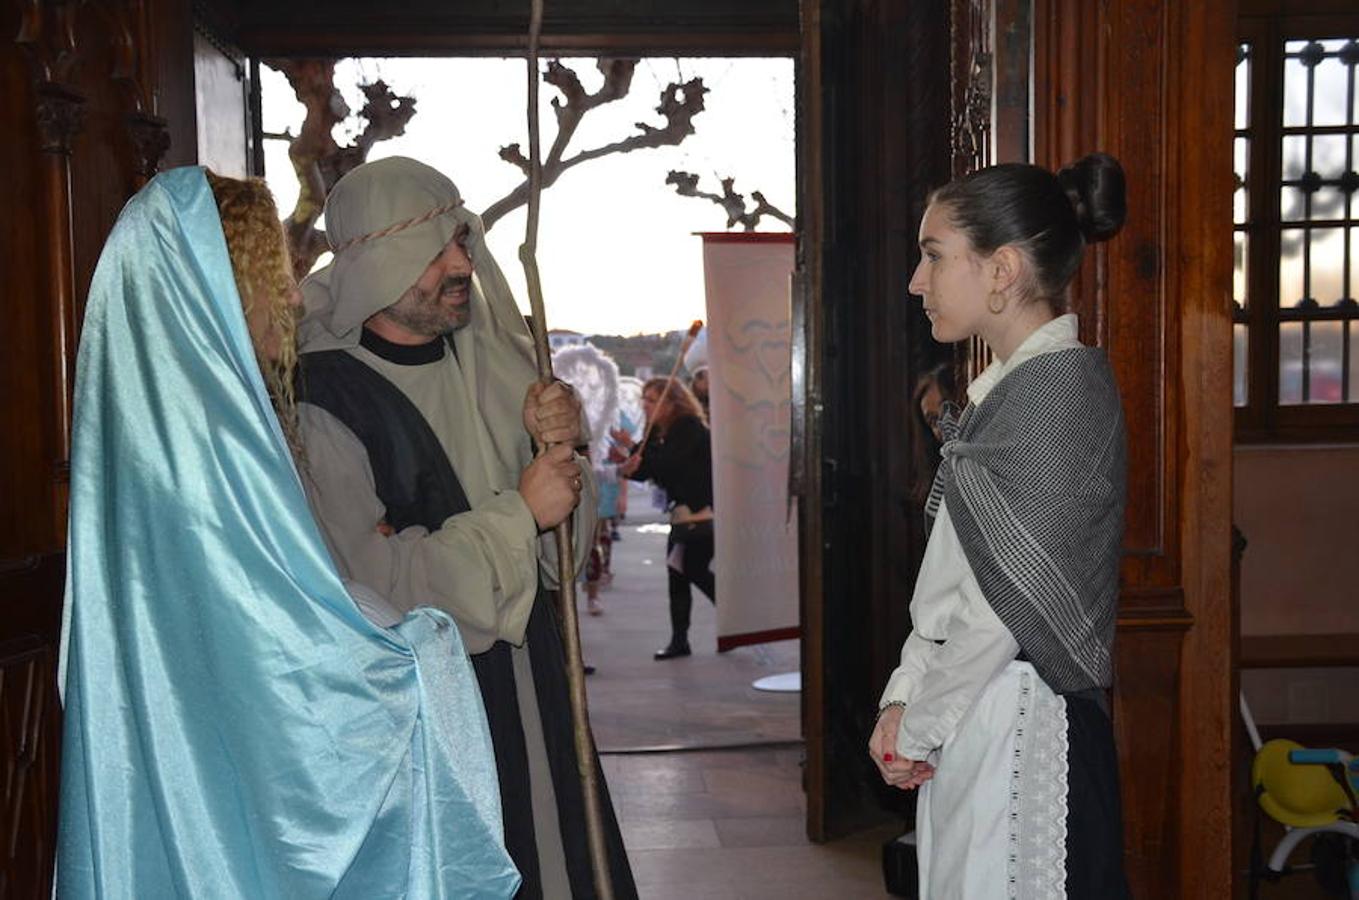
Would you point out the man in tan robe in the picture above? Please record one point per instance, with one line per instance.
(419, 411)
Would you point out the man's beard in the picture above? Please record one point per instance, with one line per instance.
(423, 311)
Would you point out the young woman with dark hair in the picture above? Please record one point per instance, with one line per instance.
(999, 710)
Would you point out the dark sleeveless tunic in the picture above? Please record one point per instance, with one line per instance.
(417, 484)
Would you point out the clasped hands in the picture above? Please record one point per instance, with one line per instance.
(552, 483)
(897, 771)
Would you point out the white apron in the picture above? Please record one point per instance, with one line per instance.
(992, 822)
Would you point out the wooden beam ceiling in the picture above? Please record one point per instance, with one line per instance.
(489, 27)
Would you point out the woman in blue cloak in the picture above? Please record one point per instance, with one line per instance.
(238, 721)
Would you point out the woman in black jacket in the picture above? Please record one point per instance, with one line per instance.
(678, 457)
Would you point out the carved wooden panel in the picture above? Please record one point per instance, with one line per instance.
(81, 133)
(27, 432)
(1147, 732)
(1144, 351)
(47, 37)
(30, 723)
(973, 80)
(30, 729)
(1102, 83)
(91, 94)
(1132, 292)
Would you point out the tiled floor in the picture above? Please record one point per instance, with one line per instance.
(705, 700)
(729, 824)
(705, 824)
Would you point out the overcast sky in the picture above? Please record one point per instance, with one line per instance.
(616, 244)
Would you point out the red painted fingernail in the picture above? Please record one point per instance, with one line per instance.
(887, 757)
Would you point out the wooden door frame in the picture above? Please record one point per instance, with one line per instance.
(805, 469)
(871, 116)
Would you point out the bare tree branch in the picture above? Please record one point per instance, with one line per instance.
(387, 115)
(764, 208)
(317, 160)
(678, 104)
(313, 81)
(734, 204)
(514, 156)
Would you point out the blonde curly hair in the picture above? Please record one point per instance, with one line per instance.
(260, 261)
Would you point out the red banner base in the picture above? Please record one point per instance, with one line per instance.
(732, 641)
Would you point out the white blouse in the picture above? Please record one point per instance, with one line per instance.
(939, 682)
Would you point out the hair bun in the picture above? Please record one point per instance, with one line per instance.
(1097, 190)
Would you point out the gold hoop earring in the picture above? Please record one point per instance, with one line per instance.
(991, 304)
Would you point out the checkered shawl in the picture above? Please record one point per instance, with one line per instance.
(1035, 479)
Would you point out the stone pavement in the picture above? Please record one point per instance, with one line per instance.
(704, 700)
(703, 823)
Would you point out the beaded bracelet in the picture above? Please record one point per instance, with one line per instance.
(888, 705)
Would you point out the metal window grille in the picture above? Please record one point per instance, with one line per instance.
(1296, 224)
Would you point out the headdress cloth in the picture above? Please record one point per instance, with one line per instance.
(387, 220)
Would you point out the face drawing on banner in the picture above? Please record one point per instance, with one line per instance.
(755, 373)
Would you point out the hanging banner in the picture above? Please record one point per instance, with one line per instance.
(747, 277)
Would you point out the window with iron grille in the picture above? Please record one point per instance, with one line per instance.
(1296, 232)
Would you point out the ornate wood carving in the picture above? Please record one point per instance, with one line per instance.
(151, 140)
(972, 123)
(973, 80)
(970, 62)
(61, 115)
(47, 35)
(148, 132)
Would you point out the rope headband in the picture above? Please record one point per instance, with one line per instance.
(397, 227)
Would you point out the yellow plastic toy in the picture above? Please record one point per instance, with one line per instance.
(1300, 796)
(1296, 787)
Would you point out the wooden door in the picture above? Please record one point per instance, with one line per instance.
(90, 99)
(874, 105)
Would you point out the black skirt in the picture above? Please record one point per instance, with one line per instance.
(1094, 824)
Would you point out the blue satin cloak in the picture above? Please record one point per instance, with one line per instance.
(234, 726)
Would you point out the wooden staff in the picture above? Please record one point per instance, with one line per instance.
(566, 557)
(688, 342)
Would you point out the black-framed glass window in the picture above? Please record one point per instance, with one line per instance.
(1296, 231)
(1319, 236)
(1241, 227)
